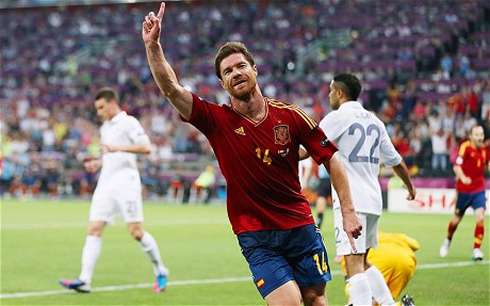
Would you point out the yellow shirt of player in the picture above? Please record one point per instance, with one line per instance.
(395, 259)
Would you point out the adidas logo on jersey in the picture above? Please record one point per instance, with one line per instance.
(240, 131)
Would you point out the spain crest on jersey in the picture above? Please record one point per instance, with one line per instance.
(282, 135)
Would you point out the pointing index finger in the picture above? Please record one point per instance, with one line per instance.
(352, 243)
(161, 11)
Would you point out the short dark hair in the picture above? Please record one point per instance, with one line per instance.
(349, 84)
(108, 94)
(474, 126)
(228, 49)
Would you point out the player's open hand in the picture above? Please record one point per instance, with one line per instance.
(352, 227)
(152, 26)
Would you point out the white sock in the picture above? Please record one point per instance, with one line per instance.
(360, 291)
(90, 256)
(149, 245)
(381, 292)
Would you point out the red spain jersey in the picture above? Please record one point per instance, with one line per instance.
(260, 161)
(473, 161)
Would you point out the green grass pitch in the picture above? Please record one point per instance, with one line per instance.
(41, 241)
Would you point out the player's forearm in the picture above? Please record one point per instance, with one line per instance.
(458, 171)
(134, 148)
(402, 171)
(167, 81)
(340, 182)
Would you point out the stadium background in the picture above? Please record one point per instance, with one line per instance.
(425, 67)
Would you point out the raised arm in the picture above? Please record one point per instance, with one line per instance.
(338, 176)
(163, 73)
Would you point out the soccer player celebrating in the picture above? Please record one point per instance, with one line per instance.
(469, 168)
(118, 190)
(256, 142)
(363, 145)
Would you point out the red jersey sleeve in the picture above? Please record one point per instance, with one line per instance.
(314, 139)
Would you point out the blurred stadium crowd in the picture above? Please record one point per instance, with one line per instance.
(425, 68)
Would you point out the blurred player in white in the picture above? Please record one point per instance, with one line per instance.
(363, 145)
(118, 190)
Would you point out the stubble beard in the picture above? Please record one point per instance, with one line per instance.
(244, 95)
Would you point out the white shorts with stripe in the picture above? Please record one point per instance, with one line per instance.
(367, 240)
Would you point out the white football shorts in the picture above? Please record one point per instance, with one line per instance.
(126, 203)
(367, 240)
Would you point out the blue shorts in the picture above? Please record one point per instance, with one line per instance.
(465, 200)
(276, 257)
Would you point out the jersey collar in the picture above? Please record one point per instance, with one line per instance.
(351, 104)
(118, 117)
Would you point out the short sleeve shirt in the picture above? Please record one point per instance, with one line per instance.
(259, 161)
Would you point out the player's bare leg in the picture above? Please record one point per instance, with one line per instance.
(287, 295)
(314, 295)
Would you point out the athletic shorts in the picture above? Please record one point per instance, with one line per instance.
(126, 203)
(324, 188)
(367, 240)
(276, 257)
(465, 200)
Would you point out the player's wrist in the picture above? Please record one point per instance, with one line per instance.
(153, 45)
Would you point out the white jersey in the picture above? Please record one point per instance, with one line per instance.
(121, 167)
(363, 144)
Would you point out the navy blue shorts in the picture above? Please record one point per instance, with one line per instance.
(465, 200)
(278, 256)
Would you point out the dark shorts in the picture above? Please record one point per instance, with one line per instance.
(324, 188)
(465, 200)
(29, 181)
(278, 256)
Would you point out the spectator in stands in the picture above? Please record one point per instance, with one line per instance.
(53, 173)
(150, 172)
(32, 177)
(36, 76)
(439, 150)
(9, 174)
(446, 65)
(463, 65)
(485, 107)
(262, 159)
(468, 121)
(472, 103)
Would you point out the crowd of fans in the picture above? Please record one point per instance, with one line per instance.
(424, 66)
